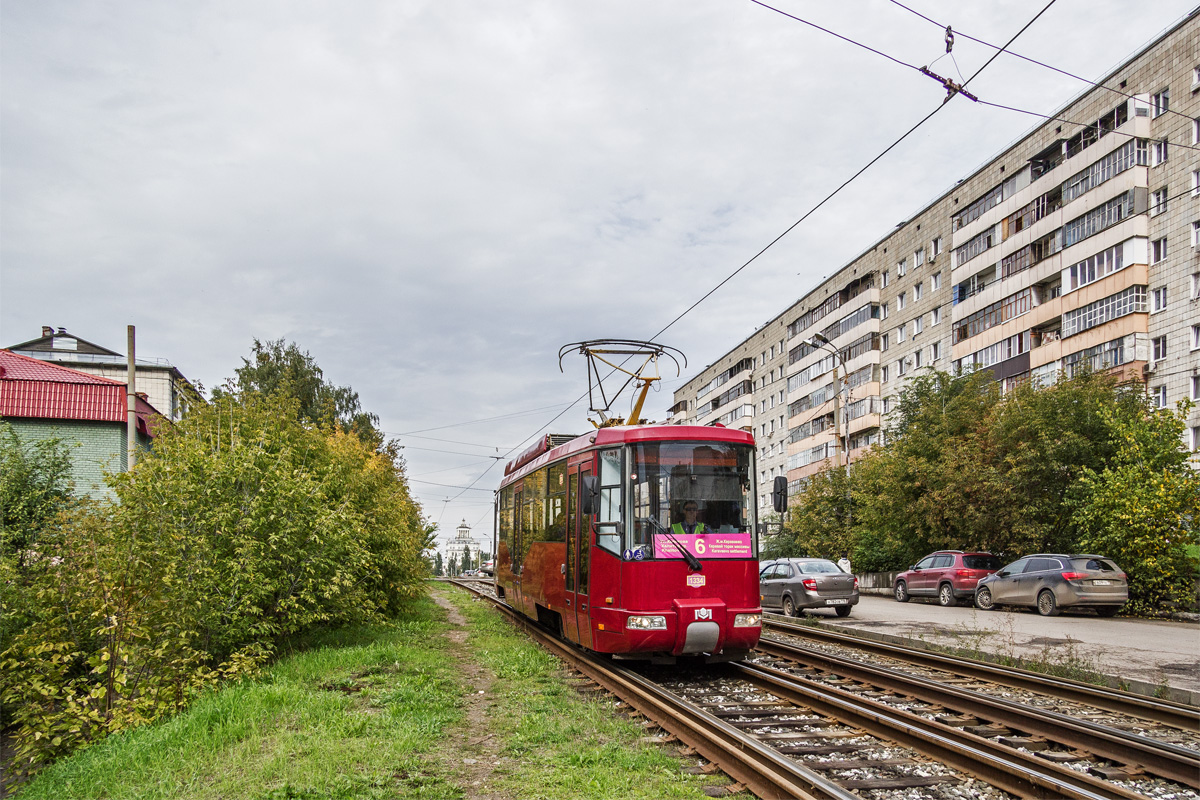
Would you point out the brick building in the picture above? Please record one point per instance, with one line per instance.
(1079, 244)
(87, 412)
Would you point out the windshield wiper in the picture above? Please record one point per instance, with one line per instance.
(691, 560)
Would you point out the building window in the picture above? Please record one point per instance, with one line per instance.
(918, 290)
(901, 301)
(935, 281)
(1160, 347)
(1158, 395)
(935, 351)
(935, 247)
(1196, 285)
(900, 333)
(917, 359)
(918, 258)
(1158, 155)
(901, 268)
(887, 404)
(883, 309)
(884, 345)
(900, 367)
(885, 374)
(1196, 233)
(1195, 438)
(1196, 387)
(1161, 102)
(1196, 183)
(1158, 201)
(1158, 250)
(885, 277)
(1158, 299)
(1196, 337)
(918, 325)
(1196, 131)
(935, 316)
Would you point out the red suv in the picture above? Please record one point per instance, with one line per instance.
(948, 575)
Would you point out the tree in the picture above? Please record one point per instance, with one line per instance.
(439, 568)
(1142, 508)
(34, 486)
(282, 369)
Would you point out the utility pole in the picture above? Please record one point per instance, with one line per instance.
(130, 403)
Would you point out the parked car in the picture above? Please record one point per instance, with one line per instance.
(488, 568)
(793, 584)
(1051, 582)
(948, 575)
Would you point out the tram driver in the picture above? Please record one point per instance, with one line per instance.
(689, 525)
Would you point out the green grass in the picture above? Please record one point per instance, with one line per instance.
(373, 712)
(348, 718)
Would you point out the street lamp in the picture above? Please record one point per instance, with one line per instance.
(816, 342)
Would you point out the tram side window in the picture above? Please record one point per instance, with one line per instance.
(535, 510)
(608, 518)
(506, 526)
(556, 530)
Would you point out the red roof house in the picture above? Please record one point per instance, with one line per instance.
(42, 400)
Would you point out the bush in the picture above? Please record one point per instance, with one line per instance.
(243, 528)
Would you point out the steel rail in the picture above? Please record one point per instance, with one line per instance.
(1163, 759)
(1176, 715)
(1019, 773)
(763, 771)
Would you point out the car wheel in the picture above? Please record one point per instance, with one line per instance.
(1107, 611)
(789, 607)
(983, 599)
(1047, 605)
(842, 611)
(946, 595)
(901, 592)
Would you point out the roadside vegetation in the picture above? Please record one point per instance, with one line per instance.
(1085, 465)
(265, 516)
(388, 710)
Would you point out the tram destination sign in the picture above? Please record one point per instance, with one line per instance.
(705, 545)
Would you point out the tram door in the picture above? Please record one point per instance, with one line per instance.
(579, 537)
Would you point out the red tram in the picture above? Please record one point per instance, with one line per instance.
(593, 540)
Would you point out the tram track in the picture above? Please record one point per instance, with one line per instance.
(781, 734)
(1174, 715)
(1053, 735)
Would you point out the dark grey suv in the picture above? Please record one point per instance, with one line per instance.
(792, 584)
(1050, 582)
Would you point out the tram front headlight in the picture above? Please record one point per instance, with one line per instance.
(747, 621)
(656, 623)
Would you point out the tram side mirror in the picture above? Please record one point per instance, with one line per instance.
(588, 494)
(779, 494)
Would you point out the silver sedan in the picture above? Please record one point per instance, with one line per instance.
(793, 584)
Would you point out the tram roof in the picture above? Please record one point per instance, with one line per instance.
(621, 434)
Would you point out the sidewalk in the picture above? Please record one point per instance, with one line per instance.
(1141, 655)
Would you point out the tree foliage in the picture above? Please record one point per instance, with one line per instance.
(1084, 464)
(34, 486)
(279, 368)
(242, 528)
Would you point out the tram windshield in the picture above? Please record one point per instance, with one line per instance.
(693, 495)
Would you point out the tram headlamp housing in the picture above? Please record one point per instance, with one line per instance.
(646, 623)
(747, 621)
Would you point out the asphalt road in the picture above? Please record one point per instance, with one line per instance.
(1151, 652)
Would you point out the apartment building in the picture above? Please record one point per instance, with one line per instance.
(1080, 244)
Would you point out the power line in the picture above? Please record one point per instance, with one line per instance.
(447, 485)
(1026, 58)
(791, 227)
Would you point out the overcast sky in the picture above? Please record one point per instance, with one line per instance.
(433, 197)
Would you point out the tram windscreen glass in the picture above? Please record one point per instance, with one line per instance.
(698, 495)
